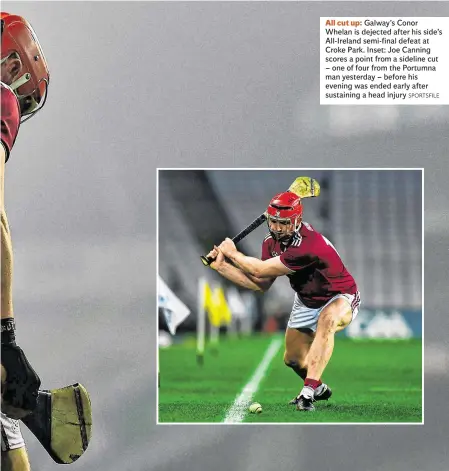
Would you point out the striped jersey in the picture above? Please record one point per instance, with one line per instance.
(318, 271)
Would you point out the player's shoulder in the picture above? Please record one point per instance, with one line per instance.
(9, 98)
(305, 238)
(306, 228)
(10, 104)
(296, 239)
(267, 239)
(307, 231)
(10, 117)
(268, 243)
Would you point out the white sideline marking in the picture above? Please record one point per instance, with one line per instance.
(238, 409)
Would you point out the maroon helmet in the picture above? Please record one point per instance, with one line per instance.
(31, 87)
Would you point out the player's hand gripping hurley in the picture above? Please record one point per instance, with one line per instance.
(304, 187)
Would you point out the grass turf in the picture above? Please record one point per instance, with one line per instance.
(371, 380)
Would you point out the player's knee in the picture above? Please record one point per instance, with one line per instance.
(294, 362)
(288, 361)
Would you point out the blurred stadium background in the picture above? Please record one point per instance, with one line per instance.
(373, 217)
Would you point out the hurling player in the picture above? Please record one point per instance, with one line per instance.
(24, 85)
(326, 296)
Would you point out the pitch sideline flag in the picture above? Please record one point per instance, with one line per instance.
(216, 305)
(175, 311)
(209, 303)
(222, 306)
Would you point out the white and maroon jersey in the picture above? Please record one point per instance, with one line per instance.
(319, 274)
(10, 118)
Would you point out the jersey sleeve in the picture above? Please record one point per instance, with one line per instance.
(10, 119)
(266, 248)
(296, 259)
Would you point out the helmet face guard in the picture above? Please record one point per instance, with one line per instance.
(31, 85)
(285, 209)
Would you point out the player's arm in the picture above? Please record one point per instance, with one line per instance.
(2, 175)
(20, 383)
(6, 246)
(271, 268)
(237, 276)
(244, 280)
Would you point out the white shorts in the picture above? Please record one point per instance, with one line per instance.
(303, 317)
(11, 434)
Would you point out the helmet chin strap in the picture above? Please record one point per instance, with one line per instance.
(20, 81)
(37, 107)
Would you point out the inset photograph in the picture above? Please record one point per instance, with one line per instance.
(290, 296)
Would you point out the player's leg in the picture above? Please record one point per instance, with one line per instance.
(297, 346)
(14, 454)
(334, 317)
(15, 460)
(299, 337)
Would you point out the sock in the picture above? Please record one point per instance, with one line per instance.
(313, 383)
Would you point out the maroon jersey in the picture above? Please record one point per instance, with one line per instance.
(10, 118)
(319, 274)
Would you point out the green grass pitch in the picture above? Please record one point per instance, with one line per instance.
(372, 381)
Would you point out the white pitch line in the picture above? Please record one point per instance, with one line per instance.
(238, 409)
